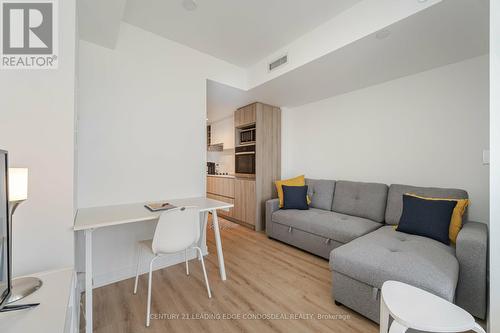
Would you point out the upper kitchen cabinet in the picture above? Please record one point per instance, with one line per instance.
(222, 132)
(246, 115)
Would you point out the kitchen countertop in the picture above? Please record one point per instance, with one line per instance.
(221, 176)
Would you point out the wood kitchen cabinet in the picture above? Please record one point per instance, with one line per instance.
(221, 189)
(246, 115)
(239, 192)
(251, 194)
(244, 201)
(221, 186)
(222, 212)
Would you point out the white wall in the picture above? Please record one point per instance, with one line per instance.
(142, 125)
(223, 132)
(494, 309)
(36, 127)
(142, 118)
(224, 159)
(428, 129)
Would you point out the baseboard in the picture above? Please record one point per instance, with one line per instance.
(125, 273)
(232, 219)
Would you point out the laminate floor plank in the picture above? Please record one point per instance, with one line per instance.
(265, 278)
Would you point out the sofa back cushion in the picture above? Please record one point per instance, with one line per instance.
(321, 193)
(395, 198)
(366, 200)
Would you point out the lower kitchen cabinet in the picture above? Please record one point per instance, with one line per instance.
(244, 200)
(220, 186)
(240, 192)
(223, 199)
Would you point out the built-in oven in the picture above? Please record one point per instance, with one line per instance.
(244, 160)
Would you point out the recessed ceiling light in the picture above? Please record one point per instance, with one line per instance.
(189, 5)
(382, 34)
(422, 1)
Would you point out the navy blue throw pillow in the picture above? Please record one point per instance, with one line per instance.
(295, 197)
(429, 218)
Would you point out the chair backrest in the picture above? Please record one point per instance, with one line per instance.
(176, 230)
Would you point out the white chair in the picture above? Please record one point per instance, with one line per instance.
(178, 230)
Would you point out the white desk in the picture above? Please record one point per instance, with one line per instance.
(89, 219)
(54, 312)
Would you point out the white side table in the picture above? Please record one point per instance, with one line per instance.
(58, 309)
(411, 307)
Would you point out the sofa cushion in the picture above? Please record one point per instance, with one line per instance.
(387, 254)
(321, 193)
(295, 197)
(339, 227)
(428, 218)
(366, 200)
(296, 181)
(395, 198)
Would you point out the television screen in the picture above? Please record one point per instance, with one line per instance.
(4, 232)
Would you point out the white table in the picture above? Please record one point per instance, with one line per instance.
(411, 307)
(90, 219)
(55, 312)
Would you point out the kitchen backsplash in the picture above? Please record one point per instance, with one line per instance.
(225, 159)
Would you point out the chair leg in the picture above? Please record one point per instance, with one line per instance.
(204, 271)
(186, 259)
(139, 258)
(150, 282)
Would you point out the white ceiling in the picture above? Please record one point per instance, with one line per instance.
(451, 31)
(223, 100)
(240, 32)
(99, 21)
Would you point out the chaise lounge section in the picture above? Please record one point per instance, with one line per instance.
(352, 224)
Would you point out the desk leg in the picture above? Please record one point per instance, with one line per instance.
(88, 281)
(218, 242)
(203, 240)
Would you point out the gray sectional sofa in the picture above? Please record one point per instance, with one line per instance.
(352, 225)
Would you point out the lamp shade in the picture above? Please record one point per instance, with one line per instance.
(18, 184)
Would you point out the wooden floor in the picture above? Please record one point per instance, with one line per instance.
(265, 278)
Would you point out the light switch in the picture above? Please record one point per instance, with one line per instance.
(486, 157)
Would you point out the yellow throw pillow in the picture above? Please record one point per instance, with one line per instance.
(456, 216)
(297, 181)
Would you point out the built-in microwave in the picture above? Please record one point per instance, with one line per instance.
(247, 135)
(244, 160)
